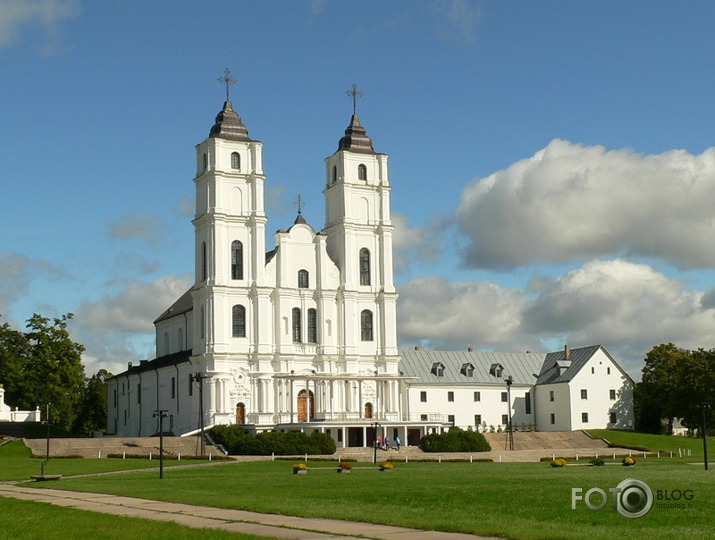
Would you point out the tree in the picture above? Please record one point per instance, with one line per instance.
(93, 410)
(661, 387)
(43, 366)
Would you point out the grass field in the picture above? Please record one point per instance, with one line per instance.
(512, 500)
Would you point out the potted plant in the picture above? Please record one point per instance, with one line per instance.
(300, 468)
(344, 467)
(386, 466)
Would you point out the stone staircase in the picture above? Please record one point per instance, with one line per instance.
(543, 440)
(103, 446)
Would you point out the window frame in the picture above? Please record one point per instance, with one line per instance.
(238, 321)
(366, 325)
(236, 260)
(296, 325)
(364, 267)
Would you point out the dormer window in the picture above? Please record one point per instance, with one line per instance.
(236, 161)
(362, 172)
(467, 370)
(437, 369)
(496, 370)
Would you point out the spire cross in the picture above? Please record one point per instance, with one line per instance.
(354, 93)
(227, 80)
(300, 203)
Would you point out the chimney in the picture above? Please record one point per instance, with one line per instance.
(130, 365)
(567, 352)
(470, 349)
(417, 348)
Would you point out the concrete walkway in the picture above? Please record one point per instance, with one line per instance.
(238, 521)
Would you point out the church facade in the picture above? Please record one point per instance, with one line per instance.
(304, 336)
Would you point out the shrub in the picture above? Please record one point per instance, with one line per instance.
(455, 440)
(597, 462)
(238, 441)
(345, 465)
(558, 462)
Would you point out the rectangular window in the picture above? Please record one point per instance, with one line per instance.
(593, 370)
(505, 419)
(423, 397)
(450, 419)
(450, 396)
(115, 398)
(608, 371)
(477, 396)
(191, 386)
(125, 417)
(297, 338)
(139, 393)
(612, 394)
(553, 418)
(123, 390)
(340, 435)
(173, 387)
(584, 417)
(612, 418)
(504, 397)
(527, 403)
(584, 394)
(423, 417)
(312, 326)
(551, 395)
(477, 420)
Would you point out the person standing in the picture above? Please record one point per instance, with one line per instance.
(398, 442)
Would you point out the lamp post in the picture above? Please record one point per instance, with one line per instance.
(161, 413)
(374, 443)
(47, 448)
(509, 381)
(199, 378)
(705, 407)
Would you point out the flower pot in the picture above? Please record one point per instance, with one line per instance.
(300, 471)
(343, 470)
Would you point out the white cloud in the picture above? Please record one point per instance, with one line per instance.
(461, 18)
(414, 243)
(118, 329)
(570, 202)
(17, 15)
(628, 308)
(186, 207)
(137, 227)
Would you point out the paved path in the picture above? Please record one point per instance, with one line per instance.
(238, 521)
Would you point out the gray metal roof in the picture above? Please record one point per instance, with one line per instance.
(183, 305)
(521, 366)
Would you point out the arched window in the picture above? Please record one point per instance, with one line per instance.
(238, 318)
(303, 279)
(236, 260)
(236, 161)
(205, 162)
(364, 266)
(296, 326)
(204, 264)
(312, 326)
(362, 172)
(335, 174)
(366, 325)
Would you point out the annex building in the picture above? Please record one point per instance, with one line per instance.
(303, 336)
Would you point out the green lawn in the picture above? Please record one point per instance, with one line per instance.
(657, 442)
(513, 500)
(22, 520)
(16, 463)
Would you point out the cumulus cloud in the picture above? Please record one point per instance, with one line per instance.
(570, 202)
(186, 207)
(137, 227)
(411, 243)
(17, 272)
(627, 307)
(119, 328)
(17, 15)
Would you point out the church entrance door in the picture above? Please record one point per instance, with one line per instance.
(241, 414)
(303, 398)
(368, 410)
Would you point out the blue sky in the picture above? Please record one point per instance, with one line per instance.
(551, 162)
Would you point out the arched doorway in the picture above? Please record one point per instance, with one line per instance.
(368, 410)
(303, 398)
(241, 414)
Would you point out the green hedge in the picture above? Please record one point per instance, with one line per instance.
(455, 440)
(238, 441)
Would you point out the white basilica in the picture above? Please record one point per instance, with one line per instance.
(304, 336)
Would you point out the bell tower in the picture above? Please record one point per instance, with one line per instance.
(359, 240)
(229, 228)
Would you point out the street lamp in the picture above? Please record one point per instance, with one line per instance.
(705, 407)
(509, 381)
(161, 413)
(47, 449)
(198, 377)
(374, 443)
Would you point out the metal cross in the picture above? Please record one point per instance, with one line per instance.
(300, 203)
(227, 80)
(355, 93)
